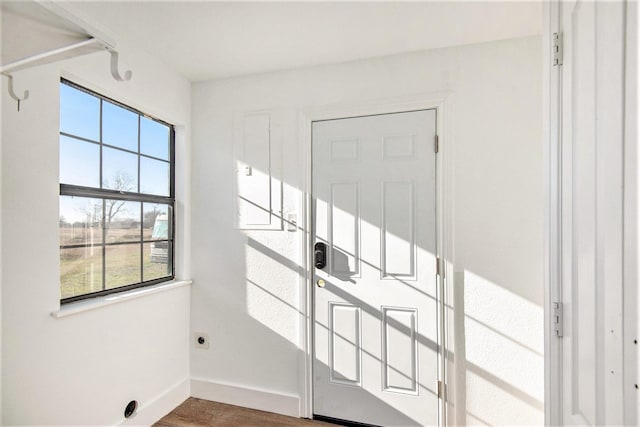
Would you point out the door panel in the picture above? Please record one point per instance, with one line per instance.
(591, 212)
(399, 350)
(398, 238)
(344, 223)
(344, 349)
(375, 321)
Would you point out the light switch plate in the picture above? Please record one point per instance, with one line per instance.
(292, 222)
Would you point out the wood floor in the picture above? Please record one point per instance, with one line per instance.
(198, 412)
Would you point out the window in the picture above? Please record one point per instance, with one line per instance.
(116, 196)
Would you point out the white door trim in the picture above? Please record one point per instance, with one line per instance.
(442, 103)
(552, 91)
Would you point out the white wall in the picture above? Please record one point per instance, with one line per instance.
(246, 288)
(83, 369)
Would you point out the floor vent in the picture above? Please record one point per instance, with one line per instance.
(131, 408)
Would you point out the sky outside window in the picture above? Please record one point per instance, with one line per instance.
(135, 142)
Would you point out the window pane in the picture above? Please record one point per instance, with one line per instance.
(156, 222)
(80, 271)
(80, 221)
(107, 146)
(79, 113)
(79, 162)
(156, 260)
(154, 177)
(119, 170)
(123, 266)
(122, 221)
(154, 138)
(119, 127)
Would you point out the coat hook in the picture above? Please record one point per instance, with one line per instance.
(114, 68)
(12, 92)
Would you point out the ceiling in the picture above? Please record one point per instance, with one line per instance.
(206, 40)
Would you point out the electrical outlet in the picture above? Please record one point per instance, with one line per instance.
(200, 340)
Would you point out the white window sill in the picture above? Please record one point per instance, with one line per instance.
(93, 303)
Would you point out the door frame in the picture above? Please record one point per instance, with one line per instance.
(552, 260)
(442, 103)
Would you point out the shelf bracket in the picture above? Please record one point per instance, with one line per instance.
(21, 64)
(73, 23)
(12, 92)
(114, 68)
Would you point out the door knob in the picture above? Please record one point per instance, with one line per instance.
(320, 255)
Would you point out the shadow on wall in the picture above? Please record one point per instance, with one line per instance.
(498, 360)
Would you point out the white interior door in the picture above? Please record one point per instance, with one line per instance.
(375, 307)
(592, 172)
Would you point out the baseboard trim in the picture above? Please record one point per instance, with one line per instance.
(248, 397)
(152, 411)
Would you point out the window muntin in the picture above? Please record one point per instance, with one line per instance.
(116, 196)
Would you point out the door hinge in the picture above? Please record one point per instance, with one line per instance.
(442, 390)
(437, 266)
(557, 318)
(436, 146)
(556, 48)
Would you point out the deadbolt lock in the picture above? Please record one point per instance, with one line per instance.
(320, 255)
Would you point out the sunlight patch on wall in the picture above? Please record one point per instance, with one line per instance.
(505, 311)
(488, 404)
(271, 300)
(504, 353)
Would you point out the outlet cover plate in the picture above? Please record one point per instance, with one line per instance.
(196, 336)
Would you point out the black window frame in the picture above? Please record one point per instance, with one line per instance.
(110, 194)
